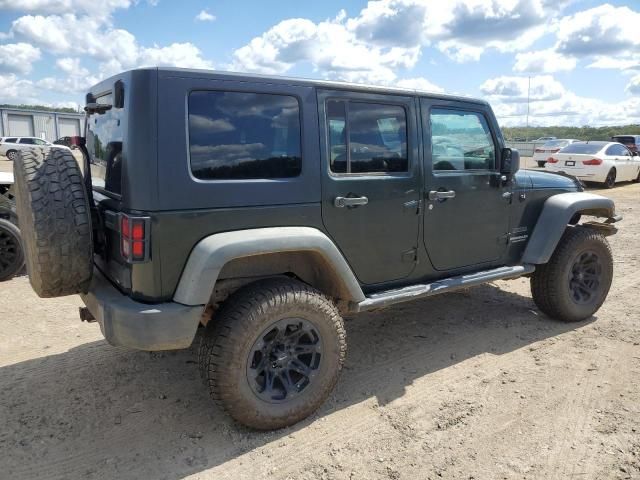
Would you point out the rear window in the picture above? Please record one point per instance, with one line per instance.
(104, 143)
(241, 135)
(627, 140)
(556, 144)
(10, 140)
(588, 148)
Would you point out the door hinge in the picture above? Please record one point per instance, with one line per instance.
(410, 256)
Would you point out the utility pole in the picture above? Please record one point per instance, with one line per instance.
(528, 100)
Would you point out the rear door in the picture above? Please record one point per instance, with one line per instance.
(466, 219)
(371, 181)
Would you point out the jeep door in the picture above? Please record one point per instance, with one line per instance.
(466, 215)
(371, 181)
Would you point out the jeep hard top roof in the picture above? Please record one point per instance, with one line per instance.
(166, 72)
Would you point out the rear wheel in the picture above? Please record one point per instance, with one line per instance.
(610, 181)
(11, 254)
(575, 282)
(12, 155)
(272, 354)
(541, 163)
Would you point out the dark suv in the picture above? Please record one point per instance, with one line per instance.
(632, 142)
(264, 209)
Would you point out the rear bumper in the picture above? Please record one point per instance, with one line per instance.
(127, 323)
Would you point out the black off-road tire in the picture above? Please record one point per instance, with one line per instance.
(12, 155)
(227, 345)
(610, 181)
(551, 283)
(11, 253)
(55, 220)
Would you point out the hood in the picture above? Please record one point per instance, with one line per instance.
(6, 178)
(552, 180)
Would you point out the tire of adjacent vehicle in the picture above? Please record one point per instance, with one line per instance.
(541, 164)
(55, 220)
(12, 155)
(551, 282)
(226, 347)
(610, 181)
(11, 253)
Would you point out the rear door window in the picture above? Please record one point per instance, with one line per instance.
(243, 135)
(27, 141)
(367, 137)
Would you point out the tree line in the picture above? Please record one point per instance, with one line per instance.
(579, 133)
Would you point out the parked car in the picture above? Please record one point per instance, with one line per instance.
(541, 154)
(10, 146)
(71, 142)
(601, 162)
(264, 209)
(632, 142)
(11, 253)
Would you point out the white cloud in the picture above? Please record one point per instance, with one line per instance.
(99, 8)
(633, 87)
(552, 104)
(629, 63)
(517, 89)
(600, 31)
(331, 48)
(419, 83)
(77, 81)
(18, 57)
(205, 16)
(543, 61)
(14, 89)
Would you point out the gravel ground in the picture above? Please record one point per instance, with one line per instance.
(475, 384)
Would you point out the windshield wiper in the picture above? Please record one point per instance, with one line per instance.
(97, 107)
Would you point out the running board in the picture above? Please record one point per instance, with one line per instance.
(389, 297)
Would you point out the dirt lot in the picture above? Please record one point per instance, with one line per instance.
(475, 384)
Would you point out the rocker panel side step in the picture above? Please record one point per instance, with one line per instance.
(390, 297)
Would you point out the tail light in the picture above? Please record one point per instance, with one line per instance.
(552, 160)
(538, 150)
(134, 238)
(555, 150)
(593, 161)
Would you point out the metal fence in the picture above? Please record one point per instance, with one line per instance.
(525, 148)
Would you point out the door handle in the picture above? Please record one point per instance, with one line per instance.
(342, 202)
(438, 195)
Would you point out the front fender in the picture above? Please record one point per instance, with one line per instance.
(211, 254)
(555, 216)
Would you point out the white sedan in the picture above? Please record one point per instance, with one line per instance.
(601, 162)
(541, 154)
(10, 146)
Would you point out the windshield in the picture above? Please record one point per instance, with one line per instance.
(104, 144)
(587, 148)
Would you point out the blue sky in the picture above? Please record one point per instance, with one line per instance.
(583, 57)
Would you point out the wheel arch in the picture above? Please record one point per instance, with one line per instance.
(557, 213)
(249, 255)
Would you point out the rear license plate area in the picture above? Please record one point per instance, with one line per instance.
(570, 163)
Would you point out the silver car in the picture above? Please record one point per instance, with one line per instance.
(10, 146)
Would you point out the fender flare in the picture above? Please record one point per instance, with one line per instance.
(211, 254)
(554, 218)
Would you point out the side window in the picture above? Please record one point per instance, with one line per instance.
(615, 150)
(10, 140)
(37, 141)
(461, 141)
(28, 141)
(367, 137)
(236, 135)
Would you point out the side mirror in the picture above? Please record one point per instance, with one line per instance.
(509, 162)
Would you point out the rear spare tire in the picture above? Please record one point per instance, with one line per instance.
(55, 220)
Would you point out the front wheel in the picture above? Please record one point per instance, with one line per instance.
(272, 354)
(576, 281)
(11, 254)
(12, 155)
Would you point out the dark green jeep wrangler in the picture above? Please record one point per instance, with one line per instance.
(263, 209)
